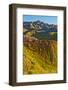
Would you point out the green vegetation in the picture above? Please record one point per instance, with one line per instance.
(42, 35)
(46, 36)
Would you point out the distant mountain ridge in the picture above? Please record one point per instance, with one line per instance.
(38, 25)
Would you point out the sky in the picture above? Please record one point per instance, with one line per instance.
(45, 19)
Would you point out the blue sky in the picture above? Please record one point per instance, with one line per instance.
(46, 19)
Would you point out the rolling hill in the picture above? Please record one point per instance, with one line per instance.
(40, 57)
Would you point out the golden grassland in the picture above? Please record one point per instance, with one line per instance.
(40, 63)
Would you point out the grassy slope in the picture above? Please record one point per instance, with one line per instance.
(35, 64)
(46, 36)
